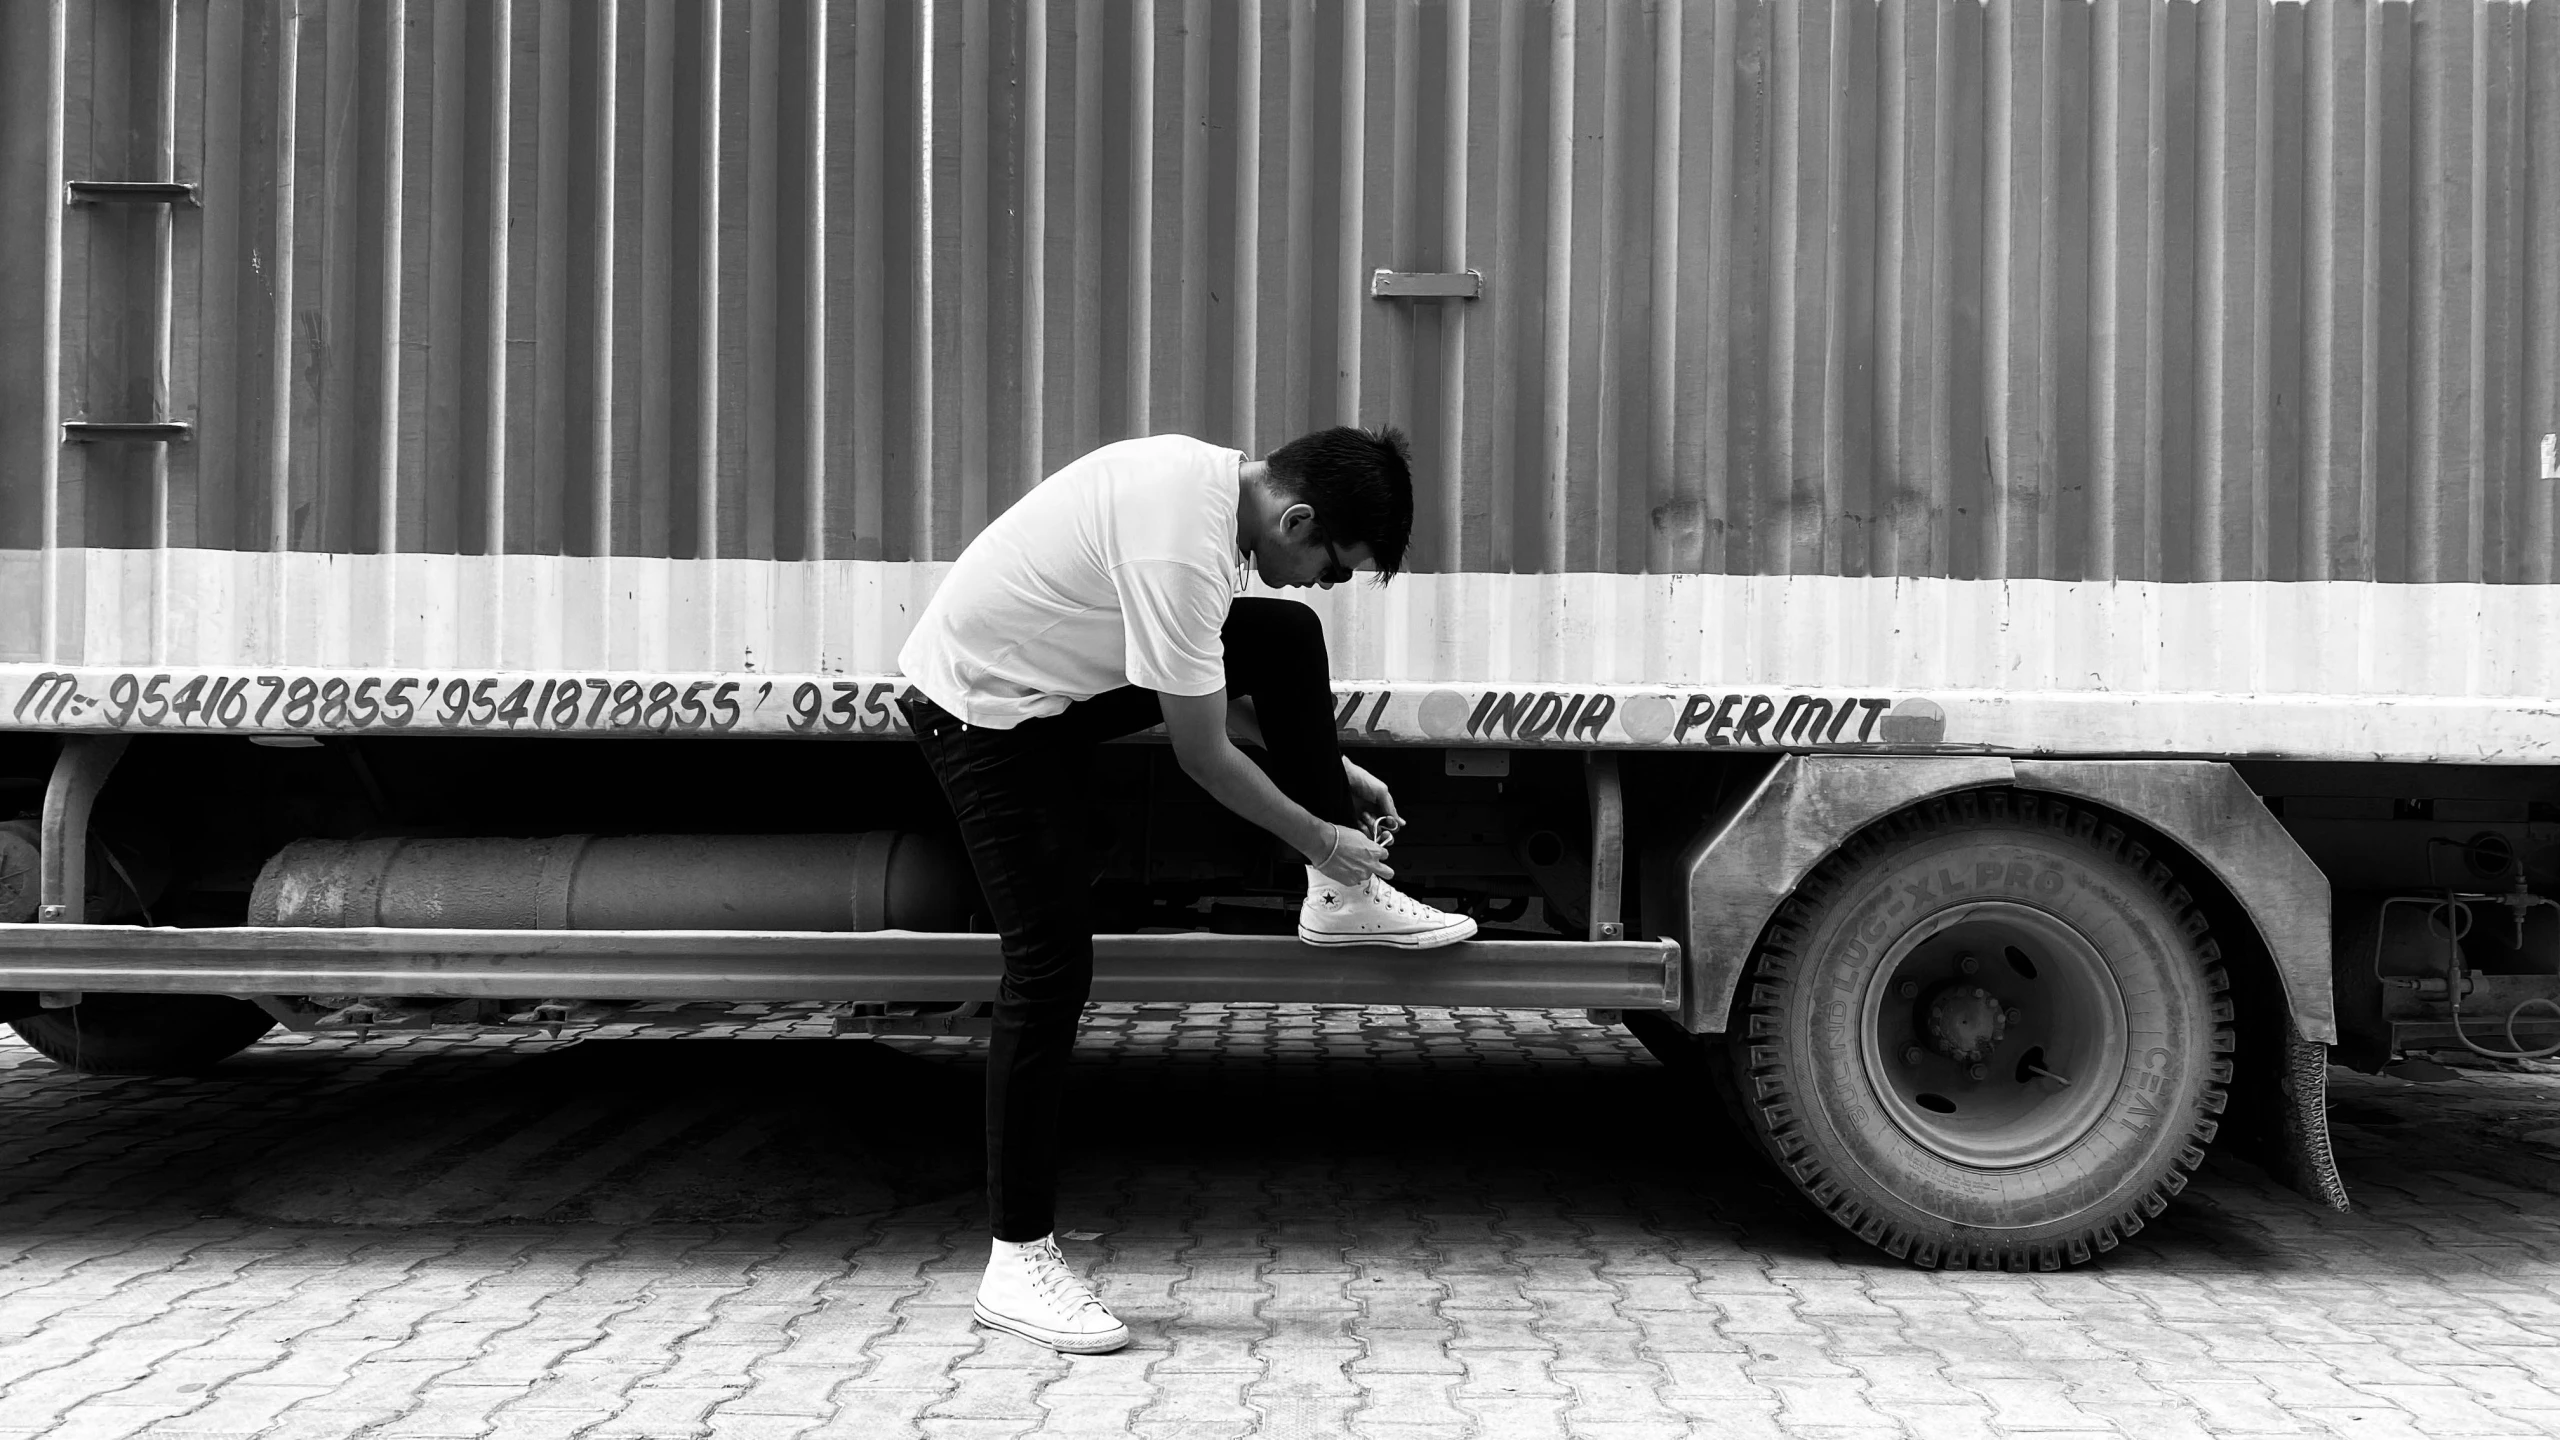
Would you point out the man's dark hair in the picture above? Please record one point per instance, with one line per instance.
(1360, 484)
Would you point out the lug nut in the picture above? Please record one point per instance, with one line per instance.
(1908, 989)
(1967, 964)
(1977, 1072)
(1913, 1054)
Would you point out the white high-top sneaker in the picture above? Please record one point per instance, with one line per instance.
(1374, 913)
(1029, 1291)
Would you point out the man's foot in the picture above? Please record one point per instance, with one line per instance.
(1030, 1292)
(1374, 913)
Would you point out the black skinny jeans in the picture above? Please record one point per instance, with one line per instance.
(1019, 795)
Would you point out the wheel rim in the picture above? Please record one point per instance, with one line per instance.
(2039, 1006)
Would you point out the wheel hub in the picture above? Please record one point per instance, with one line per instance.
(1995, 1034)
(1966, 1022)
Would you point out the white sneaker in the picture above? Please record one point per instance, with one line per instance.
(1374, 913)
(1030, 1292)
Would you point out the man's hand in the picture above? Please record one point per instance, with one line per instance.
(1370, 794)
(1354, 857)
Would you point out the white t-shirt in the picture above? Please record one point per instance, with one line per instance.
(1115, 571)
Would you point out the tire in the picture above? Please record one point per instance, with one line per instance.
(117, 1034)
(2028, 1109)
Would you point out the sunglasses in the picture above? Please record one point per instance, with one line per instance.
(1335, 572)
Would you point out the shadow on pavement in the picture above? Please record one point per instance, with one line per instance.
(687, 1131)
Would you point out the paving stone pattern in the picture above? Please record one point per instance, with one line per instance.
(1338, 1222)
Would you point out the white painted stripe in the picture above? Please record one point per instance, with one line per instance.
(2016, 636)
(2335, 668)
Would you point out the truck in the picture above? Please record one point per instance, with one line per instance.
(1983, 577)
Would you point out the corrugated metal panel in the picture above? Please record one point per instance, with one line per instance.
(549, 278)
(2123, 290)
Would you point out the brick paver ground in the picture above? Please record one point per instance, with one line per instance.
(1375, 1223)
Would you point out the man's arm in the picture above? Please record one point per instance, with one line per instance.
(1368, 792)
(1243, 723)
(1198, 727)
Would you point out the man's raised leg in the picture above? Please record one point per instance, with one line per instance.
(1276, 658)
(1276, 655)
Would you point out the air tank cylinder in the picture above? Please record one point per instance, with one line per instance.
(878, 880)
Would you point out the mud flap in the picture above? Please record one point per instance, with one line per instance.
(2300, 1156)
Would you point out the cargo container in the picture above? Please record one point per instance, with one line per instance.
(1984, 583)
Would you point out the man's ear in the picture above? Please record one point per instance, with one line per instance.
(1297, 520)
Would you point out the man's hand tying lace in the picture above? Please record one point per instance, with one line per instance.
(1375, 802)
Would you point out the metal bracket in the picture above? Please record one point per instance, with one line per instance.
(62, 866)
(550, 1015)
(365, 1017)
(132, 192)
(1426, 284)
(1608, 845)
(92, 432)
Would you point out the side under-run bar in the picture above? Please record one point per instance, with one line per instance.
(773, 965)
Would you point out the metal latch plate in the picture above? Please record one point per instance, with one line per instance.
(1426, 284)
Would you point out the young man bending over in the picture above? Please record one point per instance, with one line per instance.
(1104, 601)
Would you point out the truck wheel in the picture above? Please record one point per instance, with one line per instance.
(116, 1034)
(1990, 1032)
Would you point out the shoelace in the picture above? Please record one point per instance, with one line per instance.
(1396, 900)
(1057, 1284)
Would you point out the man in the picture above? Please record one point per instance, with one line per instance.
(1105, 601)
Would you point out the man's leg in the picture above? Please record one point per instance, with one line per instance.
(1276, 657)
(1017, 796)
(1275, 654)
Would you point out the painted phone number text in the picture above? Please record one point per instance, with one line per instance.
(594, 704)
